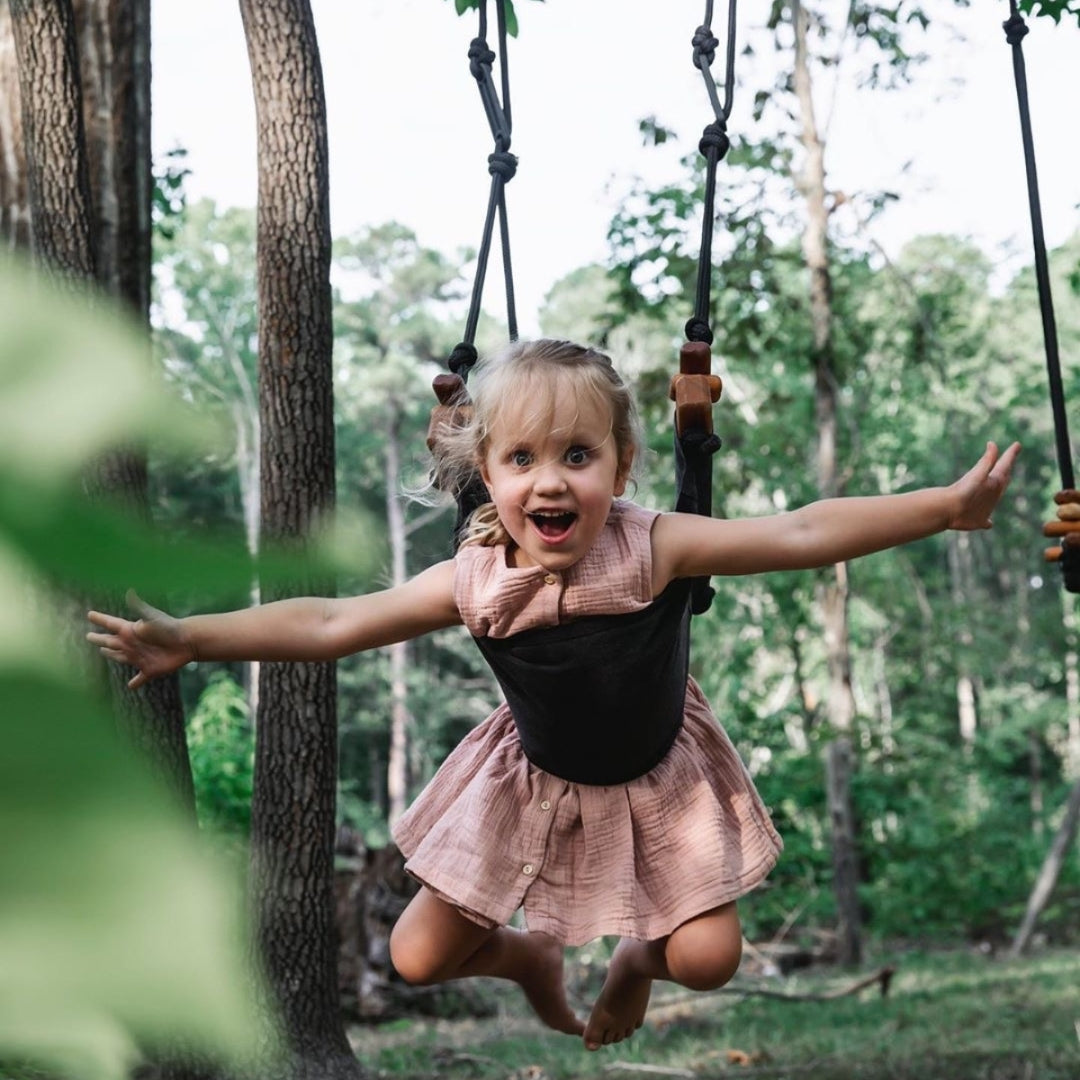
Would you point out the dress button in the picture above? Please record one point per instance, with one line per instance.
(545, 805)
(549, 579)
(528, 869)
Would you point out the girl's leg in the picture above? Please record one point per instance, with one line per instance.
(702, 954)
(433, 942)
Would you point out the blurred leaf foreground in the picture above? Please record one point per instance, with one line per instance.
(120, 933)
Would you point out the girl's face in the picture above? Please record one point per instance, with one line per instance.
(553, 485)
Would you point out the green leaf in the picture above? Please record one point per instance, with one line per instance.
(117, 929)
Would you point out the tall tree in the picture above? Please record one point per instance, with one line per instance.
(14, 197)
(93, 223)
(55, 139)
(396, 331)
(839, 699)
(293, 804)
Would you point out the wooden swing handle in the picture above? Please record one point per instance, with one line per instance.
(694, 389)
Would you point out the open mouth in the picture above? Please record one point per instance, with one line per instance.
(553, 525)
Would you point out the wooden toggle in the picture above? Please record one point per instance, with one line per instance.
(1061, 528)
(1066, 525)
(694, 389)
(454, 408)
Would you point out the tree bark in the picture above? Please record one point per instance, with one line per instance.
(114, 68)
(15, 232)
(293, 806)
(55, 140)
(65, 227)
(840, 700)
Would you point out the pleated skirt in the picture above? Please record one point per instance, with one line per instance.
(492, 833)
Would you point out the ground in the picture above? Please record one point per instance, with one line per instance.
(958, 1015)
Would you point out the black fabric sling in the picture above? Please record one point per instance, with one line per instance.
(599, 700)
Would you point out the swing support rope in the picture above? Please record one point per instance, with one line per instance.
(502, 165)
(695, 389)
(1067, 524)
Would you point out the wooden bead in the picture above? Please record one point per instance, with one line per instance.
(1069, 495)
(695, 358)
(1052, 554)
(449, 389)
(1069, 511)
(1060, 528)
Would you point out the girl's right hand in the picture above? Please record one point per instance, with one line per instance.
(154, 643)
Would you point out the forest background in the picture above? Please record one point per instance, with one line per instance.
(961, 690)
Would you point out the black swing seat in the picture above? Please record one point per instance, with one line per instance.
(598, 700)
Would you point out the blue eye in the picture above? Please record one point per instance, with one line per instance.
(577, 455)
(521, 458)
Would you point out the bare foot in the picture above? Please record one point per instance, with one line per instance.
(542, 981)
(620, 1009)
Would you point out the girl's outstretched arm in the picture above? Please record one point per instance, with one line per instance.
(830, 531)
(306, 628)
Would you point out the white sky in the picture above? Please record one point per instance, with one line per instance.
(409, 141)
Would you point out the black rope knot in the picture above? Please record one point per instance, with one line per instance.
(698, 330)
(1015, 29)
(503, 164)
(703, 442)
(480, 58)
(462, 359)
(704, 46)
(714, 136)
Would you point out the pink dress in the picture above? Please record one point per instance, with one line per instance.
(492, 833)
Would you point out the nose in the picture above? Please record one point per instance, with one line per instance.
(548, 478)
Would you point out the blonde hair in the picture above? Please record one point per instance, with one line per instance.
(535, 376)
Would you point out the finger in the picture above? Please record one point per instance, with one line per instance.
(137, 681)
(117, 655)
(106, 622)
(140, 606)
(1003, 467)
(102, 641)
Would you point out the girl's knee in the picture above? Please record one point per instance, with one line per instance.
(704, 953)
(412, 957)
(431, 940)
(705, 969)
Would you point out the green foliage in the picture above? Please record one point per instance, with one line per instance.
(118, 932)
(168, 198)
(461, 6)
(221, 746)
(1052, 9)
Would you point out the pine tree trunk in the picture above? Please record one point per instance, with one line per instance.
(59, 144)
(14, 195)
(293, 806)
(840, 700)
(114, 69)
(54, 136)
(397, 769)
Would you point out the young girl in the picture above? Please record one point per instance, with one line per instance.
(599, 803)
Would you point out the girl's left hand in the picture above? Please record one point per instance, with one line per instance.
(979, 490)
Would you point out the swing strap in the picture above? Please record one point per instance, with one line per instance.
(1068, 554)
(695, 389)
(502, 165)
(453, 398)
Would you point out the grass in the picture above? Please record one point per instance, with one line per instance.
(951, 1016)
